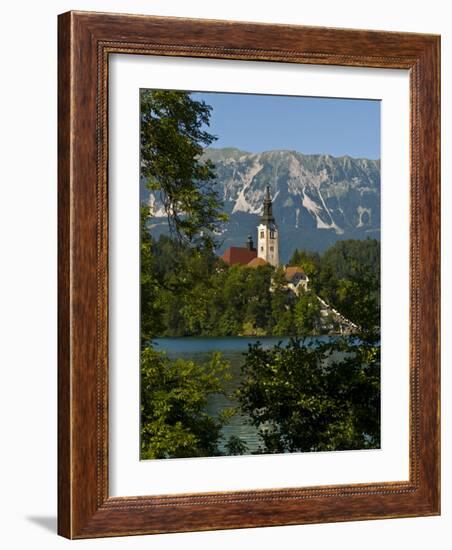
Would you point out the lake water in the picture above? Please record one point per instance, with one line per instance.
(232, 350)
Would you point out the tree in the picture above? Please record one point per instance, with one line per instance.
(151, 308)
(347, 258)
(174, 396)
(306, 313)
(200, 295)
(358, 299)
(349, 280)
(306, 397)
(172, 141)
(309, 261)
(257, 313)
(281, 311)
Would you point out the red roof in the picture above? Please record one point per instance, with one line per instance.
(238, 255)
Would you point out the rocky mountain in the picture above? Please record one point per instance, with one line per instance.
(317, 199)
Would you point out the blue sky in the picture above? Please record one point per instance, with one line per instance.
(257, 123)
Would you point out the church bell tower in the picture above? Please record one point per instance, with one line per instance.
(267, 234)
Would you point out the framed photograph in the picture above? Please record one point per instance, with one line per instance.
(248, 275)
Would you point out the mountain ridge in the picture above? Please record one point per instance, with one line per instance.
(317, 198)
(211, 151)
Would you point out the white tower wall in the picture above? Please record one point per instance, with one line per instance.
(268, 243)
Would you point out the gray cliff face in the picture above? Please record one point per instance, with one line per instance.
(317, 199)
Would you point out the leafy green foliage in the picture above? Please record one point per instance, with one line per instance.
(309, 261)
(347, 277)
(349, 258)
(313, 397)
(174, 396)
(306, 313)
(325, 396)
(172, 141)
(199, 295)
(151, 309)
(235, 446)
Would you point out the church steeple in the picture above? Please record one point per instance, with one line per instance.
(267, 216)
(267, 233)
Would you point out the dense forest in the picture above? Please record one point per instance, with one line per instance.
(306, 395)
(200, 295)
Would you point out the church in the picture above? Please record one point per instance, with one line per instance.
(267, 251)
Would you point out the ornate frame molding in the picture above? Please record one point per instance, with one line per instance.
(85, 42)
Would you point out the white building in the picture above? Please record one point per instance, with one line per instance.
(296, 278)
(267, 234)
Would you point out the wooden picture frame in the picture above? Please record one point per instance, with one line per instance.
(86, 40)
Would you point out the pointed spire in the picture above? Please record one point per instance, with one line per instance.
(267, 216)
